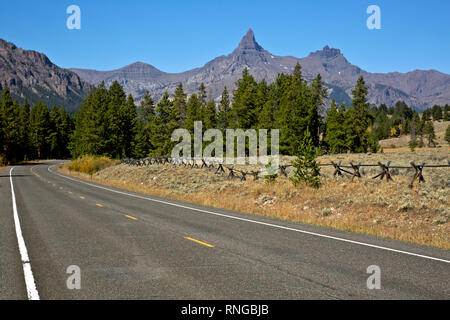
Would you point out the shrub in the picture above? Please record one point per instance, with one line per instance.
(271, 175)
(90, 164)
(306, 167)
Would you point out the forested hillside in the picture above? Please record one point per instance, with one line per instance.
(110, 124)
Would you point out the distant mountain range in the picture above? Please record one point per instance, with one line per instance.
(32, 75)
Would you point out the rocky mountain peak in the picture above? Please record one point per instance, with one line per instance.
(248, 42)
(327, 52)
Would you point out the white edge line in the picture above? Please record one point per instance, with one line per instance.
(28, 274)
(253, 221)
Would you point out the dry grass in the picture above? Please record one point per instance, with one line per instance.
(90, 164)
(419, 215)
(402, 141)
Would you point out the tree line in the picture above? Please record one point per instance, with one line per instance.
(32, 132)
(109, 123)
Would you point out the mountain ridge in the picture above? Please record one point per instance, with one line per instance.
(418, 88)
(31, 75)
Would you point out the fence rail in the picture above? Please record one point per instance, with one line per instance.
(339, 168)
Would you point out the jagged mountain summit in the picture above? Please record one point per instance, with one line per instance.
(419, 89)
(30, 74)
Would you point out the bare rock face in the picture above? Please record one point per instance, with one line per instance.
(31, 75)
(419, 89)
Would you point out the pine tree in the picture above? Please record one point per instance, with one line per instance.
(209, 116)
(24, 123)
(447, 112)
(447, 134)
(202, 96)
(128, 115)
(436, 112)
(306, 168)
(223, 115)
(52, 135)
(429, 133)
(194, 112)
(9, 116)
(244, 106)
(335, 133)
(179, 105)
(294, 111)
(319, 97)
(39, 130)
(115, 138)
(146, 127)
(93, 126)
(267, 116)
(164, 122)
(359, 119)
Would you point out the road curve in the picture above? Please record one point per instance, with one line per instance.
(132, 246)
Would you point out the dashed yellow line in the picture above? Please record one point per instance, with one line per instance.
(99, 205)
(130, 217)
(200, 242)
(69, 192)
(81, 197)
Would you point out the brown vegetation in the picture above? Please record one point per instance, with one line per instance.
(419, 215)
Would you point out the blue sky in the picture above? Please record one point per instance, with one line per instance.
(175, 36)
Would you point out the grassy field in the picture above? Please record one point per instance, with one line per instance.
(419, 215)
(402, 141)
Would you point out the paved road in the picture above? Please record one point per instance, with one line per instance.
(131, 246)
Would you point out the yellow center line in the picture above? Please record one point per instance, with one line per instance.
(31, 170)
(201, 242)
(81, 197)
(130, 217)
(99, 205)
(69, 192)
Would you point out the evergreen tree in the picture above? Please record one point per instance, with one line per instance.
(335, 133)
(267, 117)
(128, 115)
(115, 140)
(194, 112)
(209, 116)
(429, 133)
(164, 124)
(10, 128)
(359, 119)
(223, 115)
(244, 106)
(294, 111)
(319, 97)
(436, 112)
(447, 112)
(447, 134)
(144, 141)
(179, 105)
(24, 123)
(39, 130)
(306, 168)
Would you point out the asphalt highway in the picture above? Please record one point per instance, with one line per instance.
(132, 246)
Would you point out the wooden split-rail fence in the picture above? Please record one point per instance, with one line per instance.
(353, 170)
